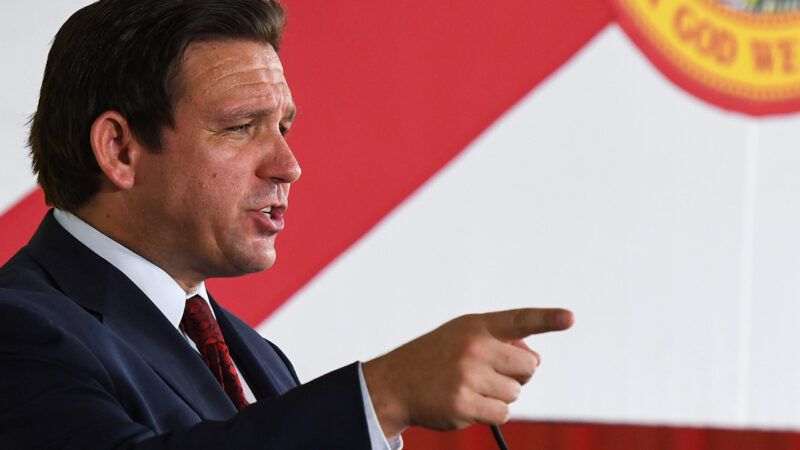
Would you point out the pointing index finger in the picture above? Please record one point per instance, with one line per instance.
(519, 323)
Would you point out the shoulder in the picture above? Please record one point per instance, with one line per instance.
(36, 317)
(24, 274)
(23, 317)
(32, 308)
(48, 331)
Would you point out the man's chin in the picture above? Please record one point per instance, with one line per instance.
(264, 261)
(253, 262)
(270, 261)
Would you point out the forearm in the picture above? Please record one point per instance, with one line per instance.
(78, 413)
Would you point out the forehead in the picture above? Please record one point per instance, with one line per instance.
(215, 70)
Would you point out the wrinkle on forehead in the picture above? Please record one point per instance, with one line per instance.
(210, 69)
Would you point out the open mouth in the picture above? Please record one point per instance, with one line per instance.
(273, 217)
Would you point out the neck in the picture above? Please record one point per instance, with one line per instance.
(116, 222)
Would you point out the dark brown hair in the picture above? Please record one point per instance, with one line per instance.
(124, 56)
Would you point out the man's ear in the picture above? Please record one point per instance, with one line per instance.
(115, 148)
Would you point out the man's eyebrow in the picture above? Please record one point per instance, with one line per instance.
(246, 111)
(256, 111)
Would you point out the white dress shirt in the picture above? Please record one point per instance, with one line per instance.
(170, 299)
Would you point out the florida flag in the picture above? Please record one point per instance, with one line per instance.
(635, 161)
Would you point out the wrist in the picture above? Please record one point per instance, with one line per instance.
(388, 404)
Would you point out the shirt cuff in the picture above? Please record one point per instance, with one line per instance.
(376, 438)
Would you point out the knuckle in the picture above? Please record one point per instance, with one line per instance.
(501, 415)
(471, 324)
(459, 424)
(506, 358)
(461, 404)
(466, 320)
(531, 362)
(510, 392)
(469, 379)
(538, 357)
(519, 320)
(474, 349)
(506, 416)
(465, 371)
(528, 373)
(524, 366)
(516, 390)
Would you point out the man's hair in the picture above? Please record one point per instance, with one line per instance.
(125, 56)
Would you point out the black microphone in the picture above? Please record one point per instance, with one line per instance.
(498, 436)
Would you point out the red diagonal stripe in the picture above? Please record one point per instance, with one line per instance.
(18, 224)
(388, 93)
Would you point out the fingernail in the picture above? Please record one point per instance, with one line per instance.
(565, 319)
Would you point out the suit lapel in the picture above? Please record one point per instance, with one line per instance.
(99, 287)
(265, 371)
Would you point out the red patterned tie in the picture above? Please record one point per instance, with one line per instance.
(202, 328)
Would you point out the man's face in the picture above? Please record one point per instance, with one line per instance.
(212, 202)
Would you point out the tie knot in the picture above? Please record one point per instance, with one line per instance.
(199, 323)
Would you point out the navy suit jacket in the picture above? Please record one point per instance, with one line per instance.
(88, 362)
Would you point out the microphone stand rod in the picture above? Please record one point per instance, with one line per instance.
(498, 436)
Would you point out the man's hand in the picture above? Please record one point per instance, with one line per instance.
(466, 371)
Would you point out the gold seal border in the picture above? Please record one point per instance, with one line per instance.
(653, 34)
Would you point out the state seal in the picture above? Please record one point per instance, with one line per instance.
(742, 55)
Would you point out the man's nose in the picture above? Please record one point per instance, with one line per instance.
(279, 164)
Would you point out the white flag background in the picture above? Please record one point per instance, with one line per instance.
(670, 226)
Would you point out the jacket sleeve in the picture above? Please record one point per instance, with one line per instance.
(55, 394)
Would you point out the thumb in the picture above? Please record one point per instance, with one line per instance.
(519, 323)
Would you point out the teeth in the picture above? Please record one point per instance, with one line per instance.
(267, 210)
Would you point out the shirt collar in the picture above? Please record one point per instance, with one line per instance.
(157, 285)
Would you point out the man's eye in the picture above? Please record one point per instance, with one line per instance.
(242, 128)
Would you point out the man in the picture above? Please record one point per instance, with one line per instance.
(159, 140)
